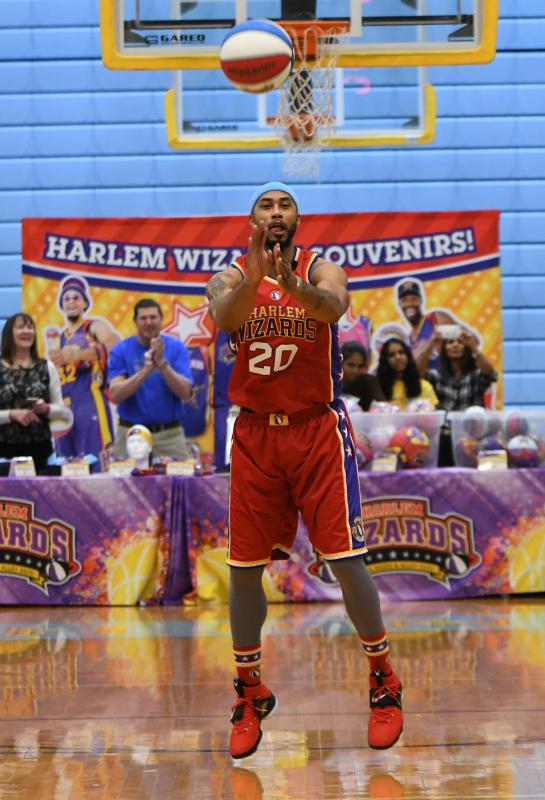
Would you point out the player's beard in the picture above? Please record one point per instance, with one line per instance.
(73, 317)
(414, 321)
(284, 243)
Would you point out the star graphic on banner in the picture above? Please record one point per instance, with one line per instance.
(345, 431)
(342, 415)
(189, 325)
(348, 452)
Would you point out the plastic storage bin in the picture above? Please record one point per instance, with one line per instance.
(413, 436)
(520, 433)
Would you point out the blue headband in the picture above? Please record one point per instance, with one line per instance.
(273, 186)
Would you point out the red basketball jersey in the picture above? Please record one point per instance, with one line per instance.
(286, 360)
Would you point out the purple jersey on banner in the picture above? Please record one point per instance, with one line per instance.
(355, 329)
(83, 385)
(194, 413)
(418, 337)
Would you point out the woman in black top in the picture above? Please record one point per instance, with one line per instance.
(460, 381)
(30, 392)
(464, 373)
(356, 380)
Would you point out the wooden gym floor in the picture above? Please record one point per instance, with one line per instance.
(134, 703)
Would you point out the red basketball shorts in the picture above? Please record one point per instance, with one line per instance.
(276, 471)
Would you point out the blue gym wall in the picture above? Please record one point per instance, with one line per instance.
(79, 140)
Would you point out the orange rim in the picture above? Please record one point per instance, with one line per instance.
(304, 127)
(307, 35)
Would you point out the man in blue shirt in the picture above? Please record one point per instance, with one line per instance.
(150, 377)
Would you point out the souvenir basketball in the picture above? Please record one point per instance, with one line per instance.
(494, 425)
(522, 451)
(379, 407)
(364, 450)
(474, 422)
(465, 452)
(257, 56)
(419, 406)
(62, 424)
(491, 443)
(412, 446)
(352, 403)
(380, 437)
(418, 411)
(516, 425)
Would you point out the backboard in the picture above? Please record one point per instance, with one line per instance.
(371, 107)
(180, 34)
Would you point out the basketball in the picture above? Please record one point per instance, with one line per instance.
(411, 445)
(364, 448)
(380, 407)
(62, 424)
(257, 56)
(517, 425)
(493, 443)
(380, 437)
(420, 405)
(522, 451)
(465, 452)
(475, 422)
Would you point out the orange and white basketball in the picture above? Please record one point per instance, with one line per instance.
(257, 56)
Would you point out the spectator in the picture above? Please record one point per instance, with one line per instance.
(150, 377)
(356, 381)
(30, 393)
(463, 375)
(461, 380)
(398, 376)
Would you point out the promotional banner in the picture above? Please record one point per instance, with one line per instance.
(449, 261)
(430, 535)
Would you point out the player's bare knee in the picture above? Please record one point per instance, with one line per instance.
(348, 568)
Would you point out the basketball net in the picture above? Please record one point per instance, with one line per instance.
(305, 118)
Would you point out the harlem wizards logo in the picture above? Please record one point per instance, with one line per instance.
(403, 535)
(41, 553)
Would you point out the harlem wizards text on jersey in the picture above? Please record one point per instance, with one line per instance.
(83, 385)
(286, 360)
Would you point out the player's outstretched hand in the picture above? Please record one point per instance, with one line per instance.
(284, 273)
(259, 261)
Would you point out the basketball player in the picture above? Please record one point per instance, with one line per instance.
(410, 298)
(81, 362)
(292, 451)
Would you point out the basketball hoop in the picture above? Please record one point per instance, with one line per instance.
(305, 117)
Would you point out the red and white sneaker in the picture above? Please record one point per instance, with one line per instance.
(386, 718)
(254, 704)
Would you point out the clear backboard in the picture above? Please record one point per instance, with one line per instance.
(369, 107)
(175, 34)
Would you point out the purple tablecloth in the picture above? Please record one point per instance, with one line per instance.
(96, 540)
(431, 534)
(120, 541)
